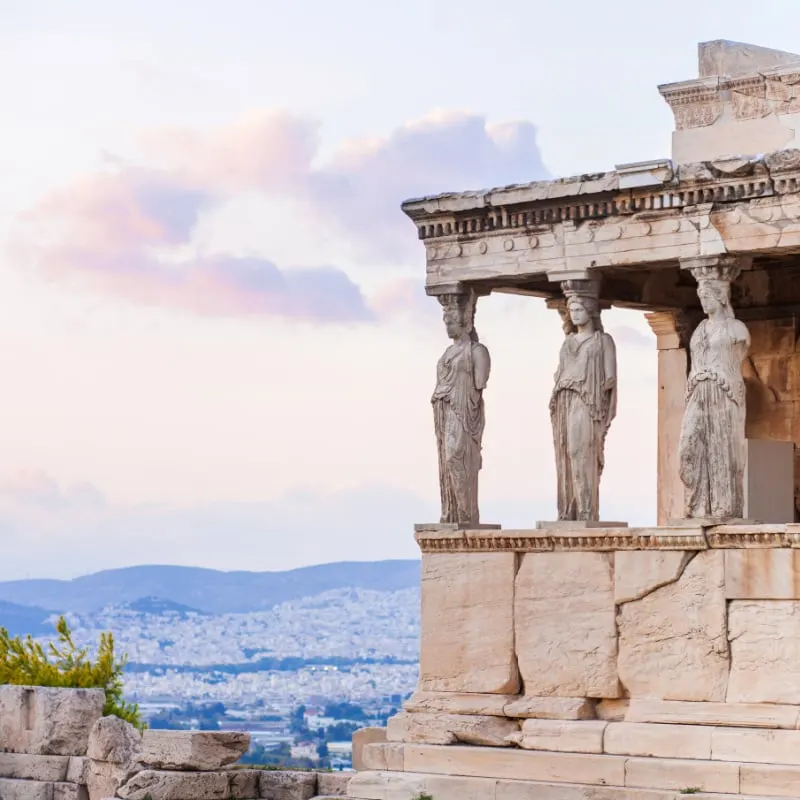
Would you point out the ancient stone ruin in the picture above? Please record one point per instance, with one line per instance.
(589, 660)
(579, 659)
(56, 745)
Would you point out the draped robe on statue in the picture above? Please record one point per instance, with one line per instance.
(581, 410)
(712, 447)
(459, 422)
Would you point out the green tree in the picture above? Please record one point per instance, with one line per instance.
(24, 662)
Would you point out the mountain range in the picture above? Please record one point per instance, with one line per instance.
(23, 602)
(19, 620)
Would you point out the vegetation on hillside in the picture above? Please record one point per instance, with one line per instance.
(24, 662)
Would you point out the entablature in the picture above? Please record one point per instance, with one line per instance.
(638, 218)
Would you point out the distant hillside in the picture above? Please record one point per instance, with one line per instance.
(207, 589)
(158, 605)
(20, 620)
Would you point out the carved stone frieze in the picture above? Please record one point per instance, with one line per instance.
(700, 536)
(743, 204)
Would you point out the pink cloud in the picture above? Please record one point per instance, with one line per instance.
(125, 231)
(360, 188)
(105, 231)
(263, 150)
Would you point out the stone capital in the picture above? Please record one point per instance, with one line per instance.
(672, 328)
(581, 288)
(456, 289)
(720, 267)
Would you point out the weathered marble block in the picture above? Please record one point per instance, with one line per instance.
(34, 768)
(450, 729)
(467, 641)
(188, 750)
(19, 789)
(48, 721)
(166, 785)
(762, 574)
(765, 651)
(673, 642)
(564, 624)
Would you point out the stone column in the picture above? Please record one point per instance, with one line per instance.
(583, 403)
(712, 449)
(462, 374)
(672, 330)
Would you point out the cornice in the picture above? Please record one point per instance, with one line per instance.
(700, 537)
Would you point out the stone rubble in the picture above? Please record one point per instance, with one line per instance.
(92, 757)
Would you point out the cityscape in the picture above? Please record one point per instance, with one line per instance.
(300, 677)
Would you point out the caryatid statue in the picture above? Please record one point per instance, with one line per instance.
(583, 403)
(461, 377)
(712, 450)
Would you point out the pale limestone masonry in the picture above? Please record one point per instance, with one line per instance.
(103, 757)
(467, 619)
(575, 660)
(48, 722)
(661, 667)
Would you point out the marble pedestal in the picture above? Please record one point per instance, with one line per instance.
(601, 664)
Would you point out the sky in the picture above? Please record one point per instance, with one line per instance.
(215, 345)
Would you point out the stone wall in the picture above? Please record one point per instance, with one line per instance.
(56, 745)
(611, 664)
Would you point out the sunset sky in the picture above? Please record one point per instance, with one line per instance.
(215, 347)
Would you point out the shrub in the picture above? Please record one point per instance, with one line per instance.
(24, 662)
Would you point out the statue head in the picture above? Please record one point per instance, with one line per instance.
(583, 304)
(714, 284)
(459, 315)
(715, 296)
(581, 311)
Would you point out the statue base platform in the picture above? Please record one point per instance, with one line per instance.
(574, 525)
(603, 664)
(407, 771)
(708, 522)
(454, 526)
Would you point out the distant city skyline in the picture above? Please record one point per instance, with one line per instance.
(216, 347)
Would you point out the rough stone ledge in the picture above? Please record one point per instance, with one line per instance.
(192, 750)
(34, 768)
(679, 537)
(228, 784)
(48, 721)
(20, 789)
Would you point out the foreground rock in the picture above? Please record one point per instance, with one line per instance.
(187, 750)
(287, 785)
(115, 741)
(115, 749)
(48, 721)
(34, 768)
(160, 785)
(451, 728)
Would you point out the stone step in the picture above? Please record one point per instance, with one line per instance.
(739, 715)
(633, 772)
(409, 786)
(649, 739)
(21, 789)
(34, 768)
